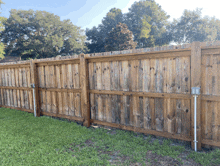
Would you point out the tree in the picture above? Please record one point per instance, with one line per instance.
(97, 35)
(120, 38)
(189, 27)
(96, 40)
(2, 47)
(148, 22)
(211, 29)
(40, 34)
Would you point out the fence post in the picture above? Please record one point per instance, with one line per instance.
(84, 84)
(34, 80)
(196, 59)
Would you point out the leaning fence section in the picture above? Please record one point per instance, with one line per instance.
(15, 87)
(144, 90)
(59, 88)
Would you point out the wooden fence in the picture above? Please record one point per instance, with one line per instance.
(143, 90)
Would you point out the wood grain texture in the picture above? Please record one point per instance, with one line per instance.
(196, 61)
(84, 84)
(35, 80)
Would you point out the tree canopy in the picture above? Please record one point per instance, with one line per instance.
(145, 19)
(2, 47)
(148, 22)
(191, 26)
(188, 27)
(40, 34)
(120, 38)
(97, 35)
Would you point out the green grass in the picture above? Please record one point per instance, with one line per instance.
(29, 140)
(211, 158)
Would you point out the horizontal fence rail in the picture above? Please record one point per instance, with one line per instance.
(143, 90)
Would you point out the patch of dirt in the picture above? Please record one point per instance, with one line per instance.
(153, 159)
(89, 142)
(189, 161)
(160, 160)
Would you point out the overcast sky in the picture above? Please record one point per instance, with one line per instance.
(89, 13)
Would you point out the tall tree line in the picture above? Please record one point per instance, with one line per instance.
(146, 20)
(40, 34)
(150, 26)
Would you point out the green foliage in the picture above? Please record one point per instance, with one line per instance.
(212, 158)
(25, 138)
(41, 34)
(148, 22)
(146, 28)
(113, 17)
(211, 29)
(96, 39)
(97, 35)
(145, 19)
(150, 27)
(120, 38)
(191, 26)
(2, 52)
(2, 21)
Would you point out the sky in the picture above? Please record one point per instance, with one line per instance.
(89, 13)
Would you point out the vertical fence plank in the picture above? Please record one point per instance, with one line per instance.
(196, 82)
(92, 86)
(59, 94)
(159, 120)
(7, 84)
(48, 85)
(165, 127)
(216, 120)
(24, 73)
(1, 82)
(152, 113)
(42, 81)
(99, 87)
(84, 78)
(30, 95)
(15, 91)
(56, 72)
(34, 80)
(52, 85)
(146, 75)
(11, 90)
(62, 78)
(65, 94)
(17, 85)
(21, 91)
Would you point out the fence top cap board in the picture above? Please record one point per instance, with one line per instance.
(204, 45)
(142, 50)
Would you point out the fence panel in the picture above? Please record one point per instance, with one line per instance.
(148, 93)
(15, 87)
(211, 96)
(59, 88)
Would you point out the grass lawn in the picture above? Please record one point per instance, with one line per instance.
(26, 140)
